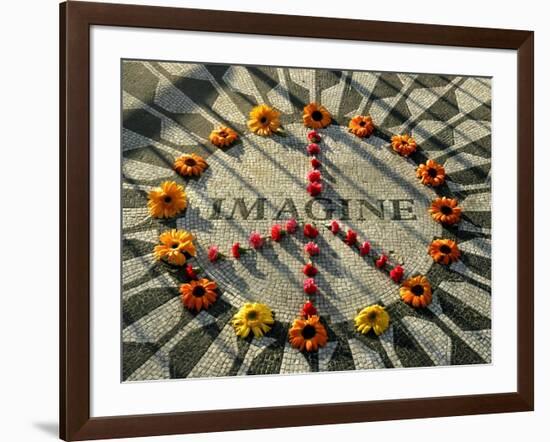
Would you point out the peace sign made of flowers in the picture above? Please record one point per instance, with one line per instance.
(307, 332)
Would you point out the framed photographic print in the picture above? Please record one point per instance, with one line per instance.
(274, 220)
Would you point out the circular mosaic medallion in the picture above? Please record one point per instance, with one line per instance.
(262, 181)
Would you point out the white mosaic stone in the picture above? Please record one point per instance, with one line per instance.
(477, 246)
(431, 338)
(363, 357)
(469, 294)
(331, 97)
(158, 365)
(386, 339)
(325, 355)
(293, 361)
(136, 267)
(238, 79)
(257, 346)
(161, 281)
(156, 324)
(364, 83)
(472, 94)
(220, 356)
(279, 96)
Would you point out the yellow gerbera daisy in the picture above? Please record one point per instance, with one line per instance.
(167, 200)
(264, 120)
(190, 165)
(374, 317)
(173, 246)
(253, 317)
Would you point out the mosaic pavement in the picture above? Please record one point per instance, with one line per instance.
(170, 108)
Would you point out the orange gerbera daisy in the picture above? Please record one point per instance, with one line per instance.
(167, 200)
(403, 144)
(431, 173)
(361, 125)
(444, 251)
(308, 334)
(223, 136)
(174, 244)
(316, 116)
(198, 295)
(190, 165)
(416, 291)
(445, 210)
(264, 120)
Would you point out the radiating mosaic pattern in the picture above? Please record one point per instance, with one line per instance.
(170, 108)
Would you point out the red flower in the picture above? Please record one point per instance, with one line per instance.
(256, 240)
(310, 231)
(396, 273)
(309, 286)
(314, 136)
(364, 249)
(277, 232)
(314, 189)
(351, 238)
(314, 176)
(191, 271)
(308, 310)
(236, 250)
(315, 163)
(213, 253)
(313, 149)
(311, 249)
(334, 226)
(310, 270)
(381, 262)
(291, 225)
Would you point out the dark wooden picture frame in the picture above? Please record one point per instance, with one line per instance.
(76, 18)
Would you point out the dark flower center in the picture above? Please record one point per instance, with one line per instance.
(222, 133)
(317, 115)
(418, 290)
(199, 291)
(167, 199)
(252, 315)
(445, 249)
(263, 120)
(190, 162)
(371, 316)
(432, 172)
(308, 331)
(175, 245)
(362, 124)
(446, 210)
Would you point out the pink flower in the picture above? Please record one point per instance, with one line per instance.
(351, 238)
(277, 232)
(291, 225)
(315, 163)
(314, 189)
(309, 270)
(256, 240)
(308, 310)
(313, 136)
(309, 286)
(313, 149)
(314, 176)
(236, 250)
(191, 271)
(364, 249)
(334, 226)
(311, 249)
(213, 253)
(396, 273)
(310, 231)
(381, 262)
